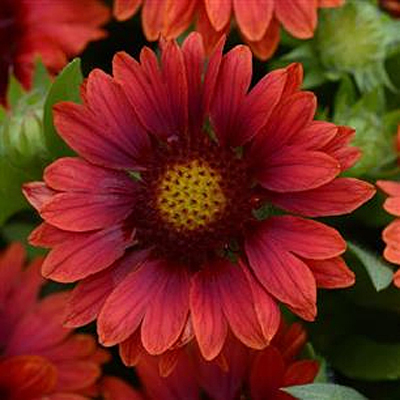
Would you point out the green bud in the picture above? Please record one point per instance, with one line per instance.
(356, 39)
(22, 139)
(375, 129)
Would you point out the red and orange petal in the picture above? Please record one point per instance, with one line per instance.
(74, 359)
(390, 234)
(263, 372)
(53, 31)
(258, 21)
(112, 224)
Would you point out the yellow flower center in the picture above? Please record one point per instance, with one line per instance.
(190, 195)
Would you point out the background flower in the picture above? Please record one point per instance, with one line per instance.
(55, 32)
(259, 21)
(238, 371)
(38, 355)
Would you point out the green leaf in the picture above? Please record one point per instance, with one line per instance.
(66, 87)
(14, 92)
(345, 98)
(324, 391)
(41, 78)
(11, 199)
(380, 272)
(358, 357)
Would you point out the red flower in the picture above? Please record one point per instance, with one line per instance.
(258, 21)
(39, 357)
(156, 217)
(236, 371)
(53, 30)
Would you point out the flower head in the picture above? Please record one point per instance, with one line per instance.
(259, 21)
(38, 356)
(53, 30)
(178, 212)
(238, 371)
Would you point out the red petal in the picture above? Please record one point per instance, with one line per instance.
(76, 346)
(282, 274)
(219, 383)
(207, 31)
(295, 234)
(131, 349)
(80, 212)
(25, 377)
(298, 17)
(268, 312)
(175, 79)
(124, 9)
(153, 14)
(330, 3)
(341, 196)
(266, 374)
(167, 312)
(389, 187)
(232, 85)
(179, 15)
(46, 235)
(396, 279)
(290, 340)
(76, 375)
(392, 206)
(87, 298)
(332, 273)
(180, 385)
(209, 323)
(253, 17)
(258, 105)
(113, 388)
(301, 373)
(126, 306)
(37, 193)
(212, 73)
(219, 12)
(160, 105)
(46, 320)
(19, 292)
(287, 121)
(111, 108)
(75, 174)
(267, 45)
(315, 136)
(294, 170)
(238, 304)
(95, 198)
(92, 137)
(85, 254)
(193, 53)
(390, 236)
(89, 295)
(340, 149)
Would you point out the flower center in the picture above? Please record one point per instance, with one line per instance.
(193, 201)
(190, 195)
